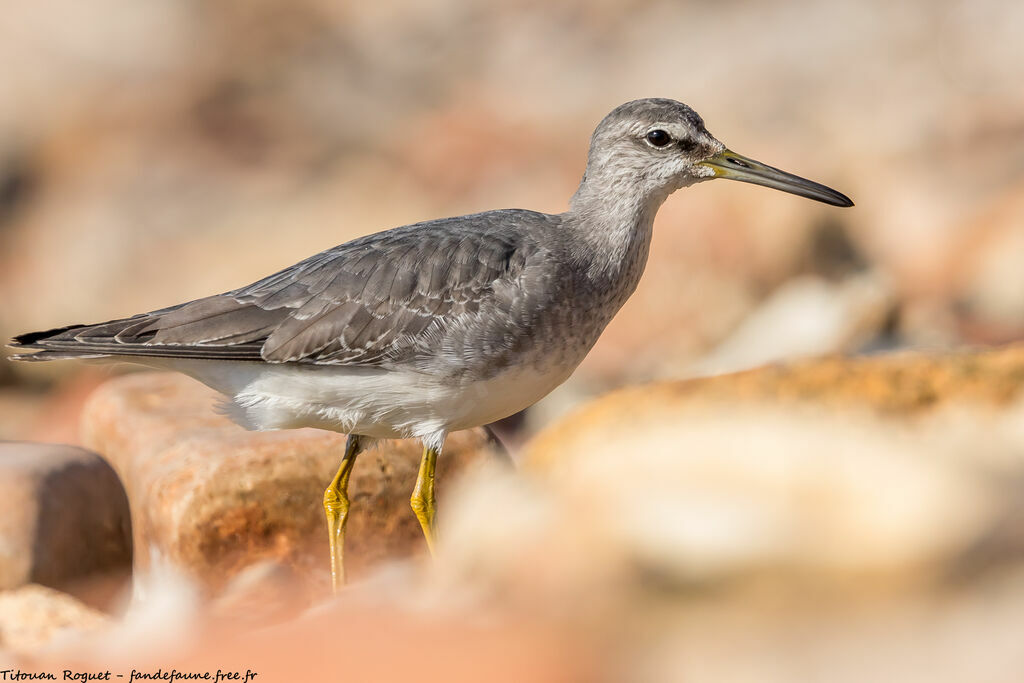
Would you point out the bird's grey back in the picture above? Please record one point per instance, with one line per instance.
(460, 292)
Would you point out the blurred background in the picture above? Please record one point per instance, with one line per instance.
(155, 152)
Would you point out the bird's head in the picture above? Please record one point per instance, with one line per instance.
(663, 145)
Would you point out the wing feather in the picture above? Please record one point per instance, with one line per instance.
(378, 299)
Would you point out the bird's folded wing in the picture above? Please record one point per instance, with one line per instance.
(376, 299)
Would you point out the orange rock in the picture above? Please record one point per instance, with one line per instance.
(210, 498)
(870, 472)
(65, 515)
(901, 383)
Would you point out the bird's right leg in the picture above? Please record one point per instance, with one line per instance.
(336, 505)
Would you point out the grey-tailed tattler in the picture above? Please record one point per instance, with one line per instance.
(448, 324)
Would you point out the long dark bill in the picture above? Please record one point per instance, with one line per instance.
(729, 164)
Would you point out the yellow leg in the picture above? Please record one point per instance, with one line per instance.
(423, 502)
(336, 507)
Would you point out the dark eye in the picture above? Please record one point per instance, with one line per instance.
(658, 138)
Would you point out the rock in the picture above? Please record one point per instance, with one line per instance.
(859, 517)
(983, 273)
(869, 472)
(18, 408)
(806, 316)
(385, 643)
(362, 635)
(53, 416)
(210, 498)
(65, 515)
(896, 384)
(33, 617)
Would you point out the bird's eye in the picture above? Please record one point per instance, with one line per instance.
(658, 138)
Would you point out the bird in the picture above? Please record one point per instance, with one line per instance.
(443, 325)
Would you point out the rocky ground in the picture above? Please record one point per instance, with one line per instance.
(840, 519)
(842, 504)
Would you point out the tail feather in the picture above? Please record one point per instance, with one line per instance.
(214, 328)
(31, 339)
(123, 337)
(55, 355)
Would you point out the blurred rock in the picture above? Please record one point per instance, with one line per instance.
(833, 470)
(835, 519)
(806, 316)
(984, 274)
(34, 617)
(264, 592)
(361, 635)
(65, 515)
(963, 636)
(389, 643)
(51, 414)
(895, 384)
(964, 287)
(209, 498)
(18, 408)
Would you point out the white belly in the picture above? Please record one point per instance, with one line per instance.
(367, 401)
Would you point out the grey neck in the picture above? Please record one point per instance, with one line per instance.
(611, 224)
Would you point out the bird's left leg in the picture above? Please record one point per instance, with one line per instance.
(336, 506)
(423, 502)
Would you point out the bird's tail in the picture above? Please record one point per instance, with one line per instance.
(55, 344)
